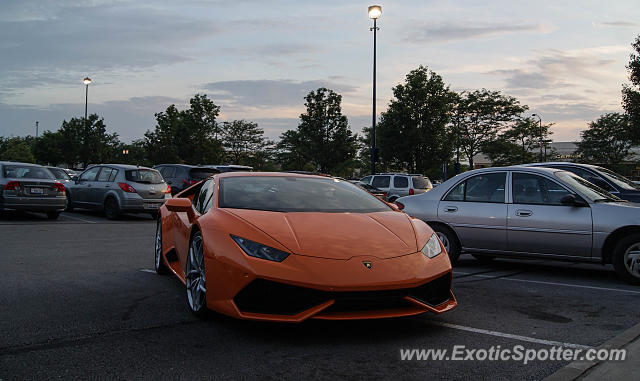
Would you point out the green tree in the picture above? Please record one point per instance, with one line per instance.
(289, 152)
(49, 147)
(606, 141)
(414, 132)
(16, 149)
(323, 137)
(187, 136)
(518, 144)
(480, 115)
(631, 93)
(243, 141)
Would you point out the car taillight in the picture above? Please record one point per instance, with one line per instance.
(11, 185)
(411, 192)
(59, 187)
(126, 187)
(400, 205)
(190, 182)
(168, 190)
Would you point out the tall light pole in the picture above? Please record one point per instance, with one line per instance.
(374, 13)
(541, 135)
(86, 82)
(36, 129)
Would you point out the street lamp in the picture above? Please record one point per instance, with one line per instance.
(86, 82)
(541, 136)
(125, 151)
(374, 13)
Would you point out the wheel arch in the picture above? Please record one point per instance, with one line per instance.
(446, 226)
(611, 240)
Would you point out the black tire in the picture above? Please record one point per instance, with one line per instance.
(53, 215)
(626, 258)
(160, 265)
(449, 240)
(111, 208)
(69, 206)
(195, 277)
(483, 258)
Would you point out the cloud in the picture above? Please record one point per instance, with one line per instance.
(619, 24)
(446, 32)
(268, 93)
(62, 42)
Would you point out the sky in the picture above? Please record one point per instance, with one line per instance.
(258, 59)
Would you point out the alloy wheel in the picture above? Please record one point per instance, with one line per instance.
(445, 241)
(195, 277)
(632, 260)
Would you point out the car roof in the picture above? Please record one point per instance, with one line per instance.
(18, 162)
(270, 174)
(123, 166)
(559, 163)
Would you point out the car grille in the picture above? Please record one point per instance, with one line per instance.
(268, 297)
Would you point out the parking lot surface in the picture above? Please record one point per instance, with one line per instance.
(80, 300)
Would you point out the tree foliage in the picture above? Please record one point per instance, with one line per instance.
(244, 143)
(606, 141)
(16, 149)
(186, 136)
(323, 139)
(480, 116)
(414, 132)
(631, 93)
(518, 144)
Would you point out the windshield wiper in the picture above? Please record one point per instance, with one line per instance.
(608, 199)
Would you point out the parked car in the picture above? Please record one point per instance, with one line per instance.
(182, 176)
(60, 174)
(291, 247)
(374, 191)
(534, 212)
(117, 189)
(606, 179)
(30, 187)
(399, 184)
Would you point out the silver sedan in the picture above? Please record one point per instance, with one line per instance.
(531, 212)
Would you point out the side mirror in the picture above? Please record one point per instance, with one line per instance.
(573, 200)
(178, 205)
(75, 178)
(393, 206)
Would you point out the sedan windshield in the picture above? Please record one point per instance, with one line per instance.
(619, 180)
(296, 194)
(590, 191)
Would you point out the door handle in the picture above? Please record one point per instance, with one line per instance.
(523, 213)
(451, 209)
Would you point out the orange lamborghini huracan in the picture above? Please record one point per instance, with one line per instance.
(289, 247)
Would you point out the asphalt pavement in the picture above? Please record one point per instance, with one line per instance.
(80, 301)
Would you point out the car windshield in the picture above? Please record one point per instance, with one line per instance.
(59, 174)
(589, 190)
(618, 179)
(146, 176)
(296, 194)
(26, 172)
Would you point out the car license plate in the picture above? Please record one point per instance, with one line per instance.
(36, 190)
(151, 205)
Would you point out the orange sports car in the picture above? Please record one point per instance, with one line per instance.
(289, 247)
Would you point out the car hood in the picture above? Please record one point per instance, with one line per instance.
(337, 235)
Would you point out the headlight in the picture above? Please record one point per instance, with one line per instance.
(259, 250)
(432, 248)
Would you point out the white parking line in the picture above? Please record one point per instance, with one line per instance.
(548, 283)
(148, 271)
(510, 336)
(78, 218)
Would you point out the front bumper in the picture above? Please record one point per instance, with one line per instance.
(33, 204)
(303, 288)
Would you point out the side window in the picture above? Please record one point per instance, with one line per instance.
(381, 181)
(480, 188)
(169, 172)
(204, 200)
(400, 182)
(534, 189)
(114, 173)
(105, 174)
(589, 176)
(90, 175)
(366, 179)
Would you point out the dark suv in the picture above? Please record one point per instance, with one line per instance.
(604, 178)
(182, 176)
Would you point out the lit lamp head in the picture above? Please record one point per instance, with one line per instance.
(375, 11)
(86, 80)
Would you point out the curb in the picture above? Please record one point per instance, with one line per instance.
(577, 369)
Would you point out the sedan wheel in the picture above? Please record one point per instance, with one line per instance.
(626, 258)
(161, 267)
(195, 276)
(449, 241)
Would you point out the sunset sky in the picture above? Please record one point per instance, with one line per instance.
(258, 59)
